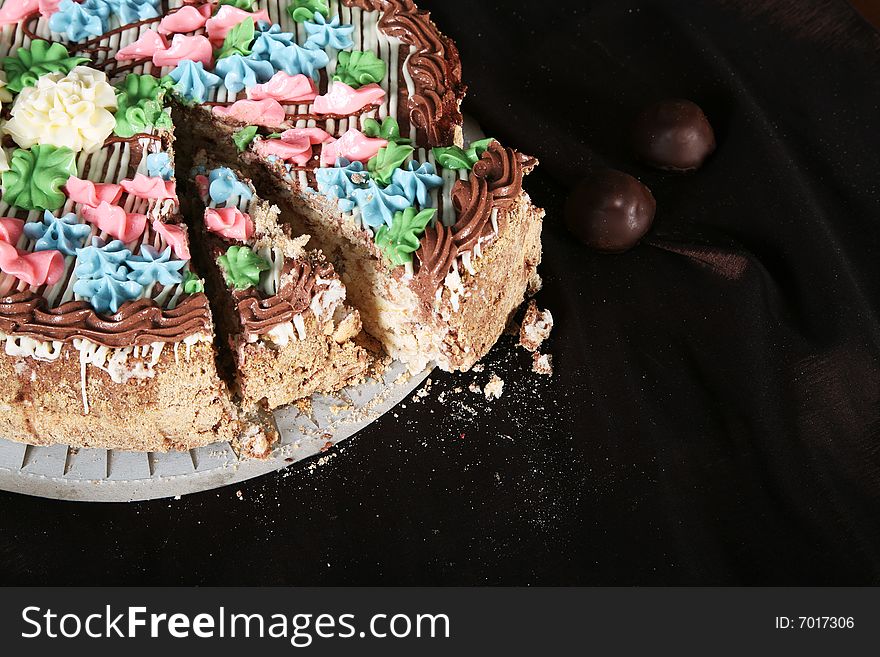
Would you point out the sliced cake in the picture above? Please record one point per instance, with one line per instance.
(349, 122)
(344, 113)
(283, 308)
(107, 335)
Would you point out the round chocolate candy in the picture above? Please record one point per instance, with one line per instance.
(610, 211)
(673, 135)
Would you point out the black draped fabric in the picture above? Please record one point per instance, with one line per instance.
(715, 413)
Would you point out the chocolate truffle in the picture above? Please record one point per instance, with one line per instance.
(673, 135)
(610, 211)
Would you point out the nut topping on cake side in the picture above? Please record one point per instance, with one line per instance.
(344, 113)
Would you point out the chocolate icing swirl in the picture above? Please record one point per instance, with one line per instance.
(259, 314)
(495, 183)
(434, 67)
(436, 255)
(140, 322)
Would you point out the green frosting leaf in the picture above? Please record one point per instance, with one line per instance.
(242, 267)
(304, 10)
(238, 40)
(358, 68)
(388, 159)
(244, 137)
(192, 284)
(399, 242)
(35, 177)
(42, 57)
(247, 5)
(388, 130)
(477, 148)
(139, 105)
(453, 157)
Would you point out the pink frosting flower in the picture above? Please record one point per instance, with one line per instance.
(267, 112)
(147, 45)
(354, 146)
(227, 18)
(197, 48)
(230, 223)
(203, 185)
(150, 188)
(285, 88)
(115, 221)
(299, 154)
(10, 229)
(88, 193)
(35, 269)
(48, 7)
(175, 237)
(14, 11)
(344, 100)
(294, 146)
(186, 19)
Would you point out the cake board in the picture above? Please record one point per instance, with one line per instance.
(101, 475)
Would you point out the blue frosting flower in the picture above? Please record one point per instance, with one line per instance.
(378, 205)
(159, 166)
(108, 293)
(240, 72)
(101, 259)
(417, 182)
(150, 266)
(225, 184)
(103, 276)
(332, 34)
(341, 181)
(81, 21)
(132, 11)
(65, 234)
(270, 39)
(294, 59)
(192, 81)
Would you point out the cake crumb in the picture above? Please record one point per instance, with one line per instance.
(542, 364)
(495, 388)
(479, 367)
(536, 284)
(476, 389)
(536, 327)
(239, 494)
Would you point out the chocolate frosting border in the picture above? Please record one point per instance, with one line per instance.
(496, 179)
(495, 183)
(259, 313)
(138, 323)
(434, 67)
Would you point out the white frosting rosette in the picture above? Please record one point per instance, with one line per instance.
(65, 110)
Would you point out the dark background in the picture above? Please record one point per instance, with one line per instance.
(715, 413)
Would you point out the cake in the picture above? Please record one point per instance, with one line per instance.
(139, 310)
(290, 334)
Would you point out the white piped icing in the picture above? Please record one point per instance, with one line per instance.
(325, 302)
(283, 334)
(25, 347)
(300, 325)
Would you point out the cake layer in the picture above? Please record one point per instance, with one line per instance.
(159, 397)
